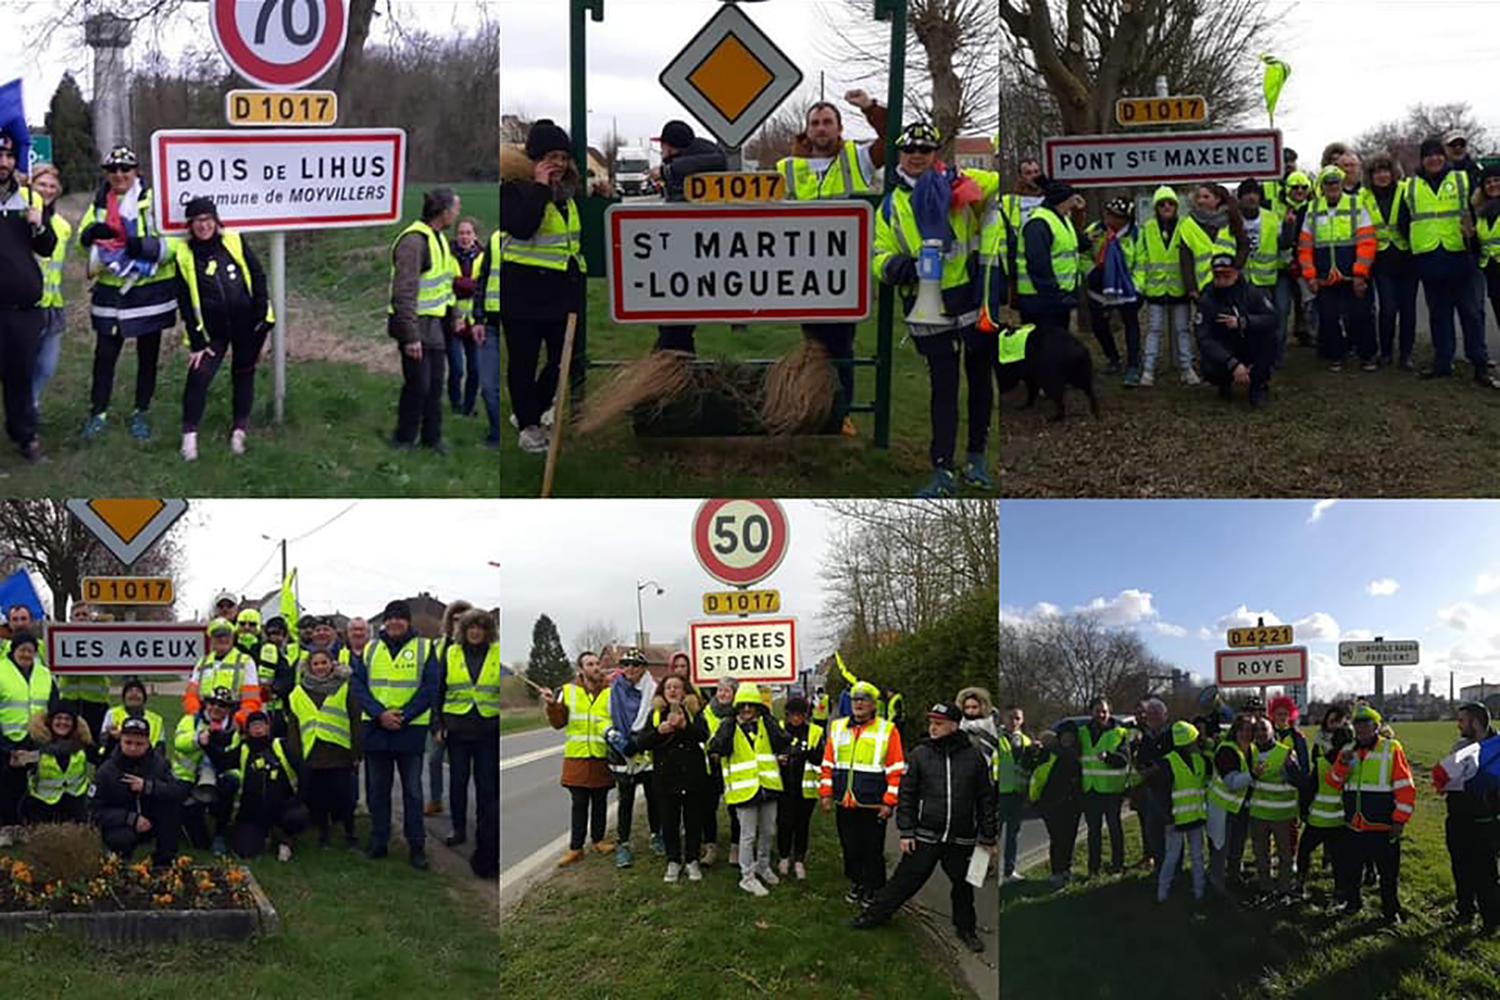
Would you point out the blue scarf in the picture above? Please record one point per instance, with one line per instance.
(1117, 283)
(930, 199)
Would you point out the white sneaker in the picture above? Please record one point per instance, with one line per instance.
(753, 887)
(284, 852)
(1148, 378)
(767, 876)
(548, 416)
(534, 440)
(237, 441)
(1015, 877)
(514, 422)
(1190, 377)
(6, 840)
(190, 446)
(801, 871)
(673, 870)
(782, 865)
(694, 873)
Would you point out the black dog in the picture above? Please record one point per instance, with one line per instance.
(1055, 359)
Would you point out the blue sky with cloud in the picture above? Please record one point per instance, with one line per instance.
(1182, 572)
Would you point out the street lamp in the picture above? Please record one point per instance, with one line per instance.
(640, 620)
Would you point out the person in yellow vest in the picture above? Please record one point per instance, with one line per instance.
(1395, 281)
(437, 752)
(1055, 790)
(134, 295)
(59, 780)
(47, 183)
(835, 167)
(325, 723)
(225, 303)
(1187, 778)
(26, 687)
(821, 706)
(1212, 226)
(224, 665)
(931, 214)
(396, 684)
(541, 272)
(202, 758)
(1011, 777)
(1101, 746)
(27, 238)
(1336, 249)
(800, 771)
(469, 693)
(1297, 198)
(1266, 262)
(1049, 264)
(1272, 807)
(750, 742)
(1487, 233)
(1229, 787)
(582, 706)
(266, 802)
(673, 734)
(90, 691)
(421, 314)
(1375, 780)
(1115, 252)
(463, 346)
(1164, 284)
(861, 774)
(487, 335)
(1325, 810)
(132, 706)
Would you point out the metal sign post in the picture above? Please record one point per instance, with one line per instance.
(278, 334)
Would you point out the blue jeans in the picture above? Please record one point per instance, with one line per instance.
(1010, 824)
(479, 759)
(49, 349)
(1449, 288)
(489, 379)
(1396, 292)
(463, 379)
(1103, 809)
(380, 768)
(1280, 295)
(434, 768)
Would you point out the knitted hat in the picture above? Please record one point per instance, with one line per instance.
(1184, 733)
(248, 616)
(397, 609)
(1297, 179)
(22, 638)
(1056, 193)
(132, 682)
(864, 689)
(545, 137)
(1250, 186)
(1366, 713)
(677, 134)
(220, 626)
(1330, 175)
(1430, 145)
(1122, 207)
(795, 704)
(203, 205)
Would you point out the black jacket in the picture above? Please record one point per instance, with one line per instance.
(114, 805)
(1218, 345)
(1063, 792)
(798, 756)
(222, 289)
(946, 796)
(701, 156)
(678, 763)
(265, 786)
(20, 275)
(529, 294)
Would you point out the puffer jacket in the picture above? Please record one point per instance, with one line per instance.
(946, 796)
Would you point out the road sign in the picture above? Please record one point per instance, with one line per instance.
(127, 589)
(279, 43)
(1261, 635)
(731, 76)
(124, 647)
(1163, 157)
(287, 108)
(41, 150)
(127, 526)
(1254, 667)
(756, 186)
(281, 178)
(751, 649)
(1160, 110)
(791, 262)
(739, 542)
(741, 602)
(1396, 653)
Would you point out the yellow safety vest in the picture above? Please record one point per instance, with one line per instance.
(863, 759)
(1205, 248)
(328, 722)
(228, 672)
(1007, 772)
(463, 694)
(52, 267)
(1271, 798)
(1064, 254)
(805, 184)
(492, 283)
(1327, 809)
(1437, 217)
(1266, 260)
(812, 771)
(556, 241)
(280, 752)
(1489, 240)
(1099, 775)
(115, 717)
(1159, 263)
(50, 783)
(588, 718)
(394, 679)
(1189, 784)
(1386, 233)
(1218, 792)
(185, 753)
(750, 767)
(896, 233)
(435, 286)
(187, 267)
(21, 697)
(166, 270)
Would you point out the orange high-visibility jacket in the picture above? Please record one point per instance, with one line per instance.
(1386, 800)
(863, 784)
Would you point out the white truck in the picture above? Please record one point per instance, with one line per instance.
(633, 171)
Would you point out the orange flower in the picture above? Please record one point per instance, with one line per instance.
(20, 873)
(165, 899)
(235, 876)
(98, 886)
(184, 861)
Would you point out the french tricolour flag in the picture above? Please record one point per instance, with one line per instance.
(1457, 769)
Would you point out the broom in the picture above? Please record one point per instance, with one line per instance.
(560, 416)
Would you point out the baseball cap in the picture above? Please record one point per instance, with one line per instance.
(943, 710)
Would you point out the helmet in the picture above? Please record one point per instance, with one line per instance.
(220, 626)
(747, 694)
(633, 657)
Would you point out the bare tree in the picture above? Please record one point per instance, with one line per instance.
(1056, 664)
(1402, 137)
(952, 73)
(595, 635)
(773, 139)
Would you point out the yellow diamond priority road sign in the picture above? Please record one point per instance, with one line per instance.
(127, 526)
(731, 76)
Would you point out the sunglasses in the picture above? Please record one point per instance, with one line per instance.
(1457, 144)
(115, 168)
(918, 149)
(1297, 187)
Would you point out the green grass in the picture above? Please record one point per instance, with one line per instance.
(638, 937)
(350, 928)
(615, 463)
(1091, 933)
(342, 386)
(519, 720)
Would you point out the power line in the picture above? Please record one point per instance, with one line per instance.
(253, 576)
(324, 524)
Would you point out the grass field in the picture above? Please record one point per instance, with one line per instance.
(519, 720)
(343, 379)
(1103, 936)
(350, 928)
(626, 933)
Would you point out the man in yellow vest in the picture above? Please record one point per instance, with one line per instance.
(1102, 754)
(26, 688)
(861, 773)
(487, 329)
(1265, 267)
(1336, 250)
(906, 233)
(422, 313)
(395, 684)
(583, 707)
(1048, 262)
(1273, 806)
(469, 693)
(835, 167)
(26, 235)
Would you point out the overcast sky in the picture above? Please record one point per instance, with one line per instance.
(188, 31)
(578, 561)
(379, 550)
(1355, 63)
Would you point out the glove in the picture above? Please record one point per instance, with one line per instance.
(94, 233)
(902, 270)
(134, 247)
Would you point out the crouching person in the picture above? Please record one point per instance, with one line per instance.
(57, 791)
(204, 752)
(268, 805)
(134, 797)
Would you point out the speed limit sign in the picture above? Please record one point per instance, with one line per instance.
(739, 541)
(279, 44)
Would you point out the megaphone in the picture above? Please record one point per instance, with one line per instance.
(929, 305)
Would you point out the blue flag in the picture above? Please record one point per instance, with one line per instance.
(17, 589)
(13, 120)
(1487, 778)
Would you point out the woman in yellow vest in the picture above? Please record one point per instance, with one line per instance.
(583, 707)
(323, 722)
(59, 780)
(487, 335)
(750, 742)
(1394, 275)
(1487, 232)
(1187, 772)
(469, 693)
(226, 305)
(463, 345)
(46, 182)
(421, 314)
(800, 771)
(674, 733)
(26, 687)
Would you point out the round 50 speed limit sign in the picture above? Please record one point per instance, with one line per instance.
(281, 44)
(739, 541)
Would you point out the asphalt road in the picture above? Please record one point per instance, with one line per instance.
(533, 806)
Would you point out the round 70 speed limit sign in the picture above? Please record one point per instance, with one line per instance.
(739, 542)
(279, 44)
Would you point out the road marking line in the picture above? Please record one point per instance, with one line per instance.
(527, 758)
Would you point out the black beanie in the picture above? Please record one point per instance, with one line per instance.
(132, 682)
(544, 137)
(23, 638)
(1432, 145)
(202, 205)
(1250, 186)
(796, 703)
(397, 609)
(1493, 170)
(1056, 193)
